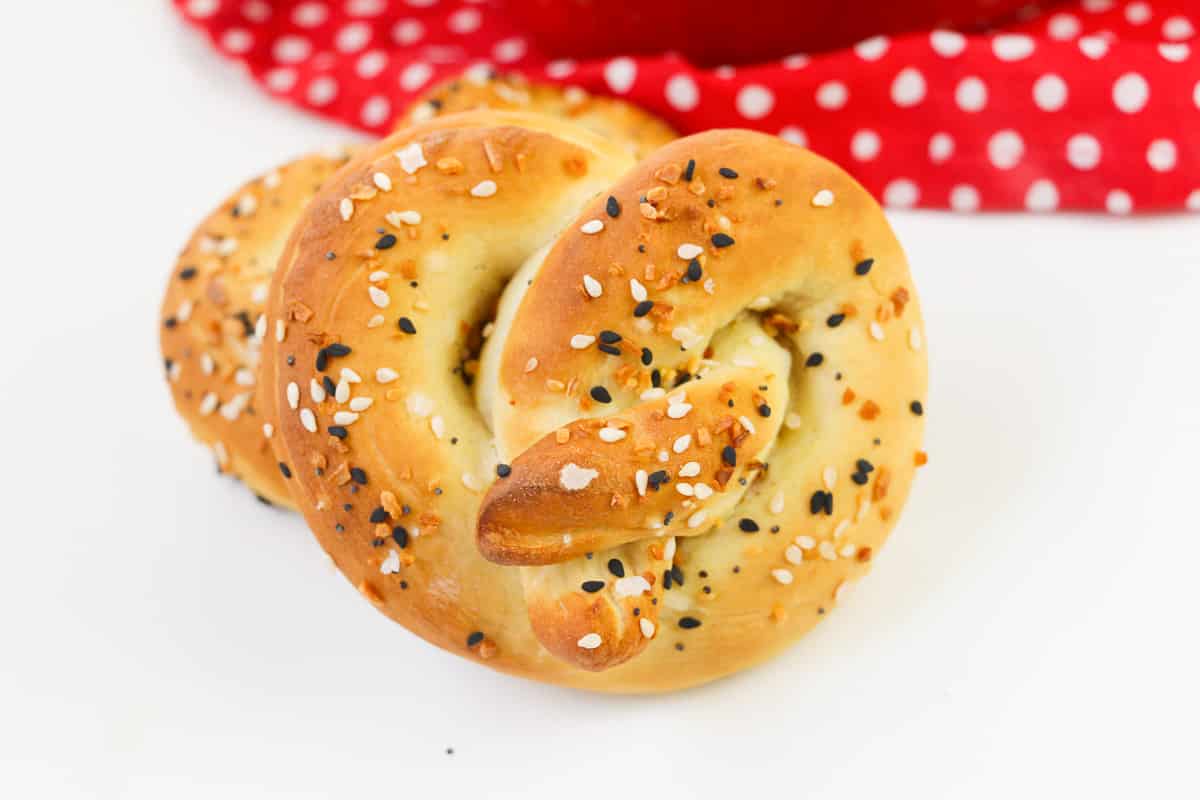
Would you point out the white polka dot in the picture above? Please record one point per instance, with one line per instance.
(560, 68)
(724, 72)
(309, 15)
(908, 88)
(964, 197)
(1118, 201)
(281, 79)
(1176, 52)
(1138, 13)
(256, 10)
(941, 147)
(353, 37)
(1097, 6)
(376, 111)
(832, 95)
(202, 8)
(1083, 151)
(1093, 47)
(971, 94)
(1005, 149)
(1162, 155)
(1130, 92)
(371, 64)
(415, 75)
(1042, 196)
(795, 61)
(794, 135)
(619, 74)
(947, 43)
(865, 145)
(373, 8)
(465, 20)
(1177, 28)
(871, 49)
(506, 51)
(237, 40)
(755, 101)
(322, 90)
(290, 49)
(1012, 46)
(1196, 94)
(1050, 92)
(1193, 201)
(408, 31)
(1063, 27)
(682, 93)
(901, 193)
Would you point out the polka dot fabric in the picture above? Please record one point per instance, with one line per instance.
(1089, 105)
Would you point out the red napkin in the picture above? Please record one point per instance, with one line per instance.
(1089, 105)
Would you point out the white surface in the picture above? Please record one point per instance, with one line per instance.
(1029, 631)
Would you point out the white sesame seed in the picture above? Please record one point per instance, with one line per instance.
(398, 218)
(637, 290)
(686, 337)
(806, 542)
(293, 395)
(664, 456)
(346, 207)
(669, 550)
(776, 506)
(647, 627)
(345, 418)
(174, 371)
(682, 443)
(709, 285)
(685, 489)
(829, 476)
(308, 420)
(280, 330)
(690, 470)
(794, 554)
(573, 477)
(864, 505)
(227, 246)
(827, 552)
(391, 564)
(592, 226)
(386, 375)
(531, 364)
(592, 286)
(582, 341)
(207, 365)
(823, 199)
(914, 339)
(470, 481)
(783, 576)
(184, 313)
(412, 157)
(611, 434)
(792, 421)
(361, 403)
(209, 404)
(847, 550)
(697, 519)
(703, 491)
(484, 189)
(244, 377)
(260, 327)
(221, 453)
(233, 409)
(654, 393)
(271, 179)
(841, 528)
(316, 390)
(630, 586)
(268, 430)
(379, 297)
(378, 275)
(641, 480)
(689, 251)
(438, 426)
(419, 404)
(678, 410)
(590, 641)
(375, 321)
(342, 391)
(747, 424)
(382, 180)
(350, 375)
(876, 331)
(744, 361)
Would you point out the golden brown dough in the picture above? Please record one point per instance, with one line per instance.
(211, 329)
(695, 419)
(483, 88)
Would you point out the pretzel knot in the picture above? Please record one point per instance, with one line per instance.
(674, 406)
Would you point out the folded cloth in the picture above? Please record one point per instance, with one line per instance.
(1087, 105)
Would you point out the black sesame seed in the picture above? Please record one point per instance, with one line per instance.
(864, 465)
(667, 519)
(657, 478)
(666, 580)
(474, 638)
(729, 455)
(610, 337)
(358, 476)
(338, 350)
(613, 207)
(821, 502)
(322, 360)
(863, 267)
(611, 349)
(835, 320)
(285, 469)
(170, 322)
(503, 470)
(690, 170)
(380, 514)
(764, 410)
(814, 360)
(748, 525)
(693, 271)
(712, 203)
(647, 356)
(338, 430)
(655, 378)
(726, 172)
(407, 326)
(687, 623)
(677, 574)
(400, 536)
(722, 240)
(386, 242)
(643, 308)
(916, 407)
(187, 273)
(600, 394)
(859, 478)
(291, 360)
(641, 248)
(327, 385)
(330, 256)
(616, 567)
(591, 587)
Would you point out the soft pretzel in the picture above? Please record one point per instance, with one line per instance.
(695, 419)
(484, 88)
(212, 320)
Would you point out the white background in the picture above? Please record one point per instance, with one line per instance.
(1029, 631)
